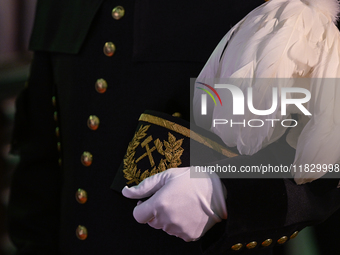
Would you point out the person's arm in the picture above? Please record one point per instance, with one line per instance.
(270, 211)
(36, 183)
(261, 213)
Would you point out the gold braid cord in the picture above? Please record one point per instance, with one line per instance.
(171, 149)
(188, 133)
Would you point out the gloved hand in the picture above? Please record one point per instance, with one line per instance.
(182, 206)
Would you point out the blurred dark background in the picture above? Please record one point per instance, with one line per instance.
(16, 20)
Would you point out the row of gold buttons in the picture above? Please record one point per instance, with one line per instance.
(93, 121)
(109, 47)
(265, 243)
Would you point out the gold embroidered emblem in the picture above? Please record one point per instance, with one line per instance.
(171, 150)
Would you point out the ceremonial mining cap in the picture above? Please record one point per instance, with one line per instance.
(162, 141)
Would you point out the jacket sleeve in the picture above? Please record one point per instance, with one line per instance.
(269, 212)
(35, 189)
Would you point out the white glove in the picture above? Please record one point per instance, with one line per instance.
(182, 206)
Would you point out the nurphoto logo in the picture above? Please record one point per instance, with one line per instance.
(239, 104)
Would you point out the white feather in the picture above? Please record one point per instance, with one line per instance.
(330, 8)
(280, 39)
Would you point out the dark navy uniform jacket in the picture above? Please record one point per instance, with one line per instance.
(91, 78)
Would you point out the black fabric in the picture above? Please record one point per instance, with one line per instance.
(72, 63)
(155, 37)
(189, 146)
(259, 209)
(137, 153)
(61, 26)
(327, 235)
(324, 184)
(34, 209)
(255, 200)
(146, 72)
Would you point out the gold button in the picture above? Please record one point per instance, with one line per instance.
(267, 242)
(59, 146)
(93, 122)
(86, 158)
(55, 115)
(54, 101)
(109, 49)
(237, 247)
(118, 12)
(81, 232)
(57, 133)
(282, 240)
(81, 196)
(101, 85)
(294, 235)
(251, 245)
(59, 161)
(177, 114)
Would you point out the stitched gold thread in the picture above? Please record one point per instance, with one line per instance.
(188, 133)
(130, 166)
(172, 152)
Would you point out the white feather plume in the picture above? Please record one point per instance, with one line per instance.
(330, 8)
(280, 39)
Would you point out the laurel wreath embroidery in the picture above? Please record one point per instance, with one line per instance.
(172, 152)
